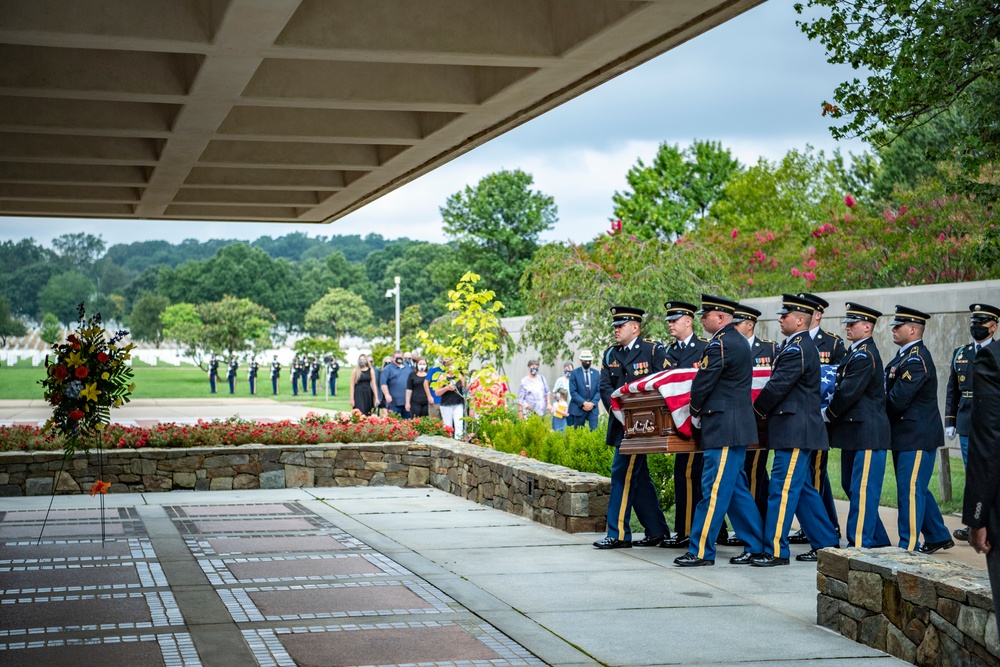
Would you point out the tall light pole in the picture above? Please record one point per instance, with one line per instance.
(389, 293)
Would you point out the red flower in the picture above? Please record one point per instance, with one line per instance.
(59, 373)
(735, 233)
(849, 200)
(76, 414)
(81, 372)
(102, 357)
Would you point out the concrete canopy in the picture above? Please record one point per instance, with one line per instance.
(289, 110)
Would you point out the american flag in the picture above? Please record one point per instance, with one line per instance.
(828, 378)
(674, 386)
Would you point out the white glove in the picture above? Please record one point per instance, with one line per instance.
(950, 432)
(823, 414)
(696, 422)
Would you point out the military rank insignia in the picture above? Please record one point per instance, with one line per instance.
(907, 376)
(704, 362)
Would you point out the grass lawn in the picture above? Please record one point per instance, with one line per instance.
(21, 382)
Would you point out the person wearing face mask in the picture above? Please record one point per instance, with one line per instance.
(533, 393)
(418, 391)
(958, 399)
(559, 407)
(584, 392)
(394, 378)
(363, 390)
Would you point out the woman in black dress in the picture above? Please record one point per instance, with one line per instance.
(418, 392)
(364, 393)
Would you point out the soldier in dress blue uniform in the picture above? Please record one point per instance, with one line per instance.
(958, 403)
(213, 372)
(831, 351)
(915, 423)
(304, 372)
(721, 407)
(630, 358)
(859, 427)
(332, 369)
(252, 375)
(234, 365)
(275, 374)
(790, 404)
(313, 373)
(296, 371)
(685, 352)
(762, 353)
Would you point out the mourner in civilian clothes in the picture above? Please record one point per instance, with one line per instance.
(630, 358)
(790, 404)
(393, 383)
(275, 375)
(721, 407)
(234, 365)
(831, 351)
(213, 372)
(252, 375)
(584, 393)
(332, 369)
(859, 427)
(685, 351)
(762, 353)
(418, 390)
(559, 399)
(981, 508)
(915, 423)
(958, 403)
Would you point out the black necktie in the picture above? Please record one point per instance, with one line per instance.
(978, 347)
(681, 345)
(586, 376)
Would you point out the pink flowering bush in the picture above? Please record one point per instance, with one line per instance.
(313, 429)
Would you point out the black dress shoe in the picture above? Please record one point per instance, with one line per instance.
(744, 558)
(798, 538)
(931, 547)
(764, 560)
(648, 541)
(690, 560)
(808, 557)
(612, 543)
(734, 542)
(722, 540)
(961, 534)
(675, 542)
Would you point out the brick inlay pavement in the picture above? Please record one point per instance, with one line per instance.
(222, 584)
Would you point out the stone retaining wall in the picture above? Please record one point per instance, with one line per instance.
(926, 611)
(549, 494)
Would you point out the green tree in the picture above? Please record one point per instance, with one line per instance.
(80, 251)
(235, 325)
(10, 327)
(670, 195)
(923, 152)
(317, 347)
(921, 59)
(145, 322)
(183, 325)
(63, 293)
(495, 226)
(574, 286)
(339, 312)
(51, 329)
(425, 274)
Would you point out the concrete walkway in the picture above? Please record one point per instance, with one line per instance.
(361, 576)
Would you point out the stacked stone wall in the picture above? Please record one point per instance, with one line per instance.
(551, 495)
(923, 610)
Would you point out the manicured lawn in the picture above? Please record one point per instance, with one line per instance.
(21, 382)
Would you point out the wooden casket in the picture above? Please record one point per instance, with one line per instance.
(649, 427)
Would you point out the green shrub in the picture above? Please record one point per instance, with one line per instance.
(577, 448)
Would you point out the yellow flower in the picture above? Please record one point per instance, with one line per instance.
(118, 402)
(105, 375)
(131, 387)
(74, 360)
(91, 392)
(99, 426)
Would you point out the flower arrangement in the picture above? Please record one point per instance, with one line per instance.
(88, 377)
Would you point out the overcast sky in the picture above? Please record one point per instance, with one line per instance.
(755, 84)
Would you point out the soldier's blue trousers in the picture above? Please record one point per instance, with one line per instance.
(333, 386)
(820, 480)
(791, 492)
(918, 511)
(295, 386)
(725, 490)
(304, 388)
(861, 476)
(633, 488)
(253, 385)
(314, 386)
(211, 381)
(232, 385)
(274, 386)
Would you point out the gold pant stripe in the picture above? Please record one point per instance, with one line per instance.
(818, 470)
(912, 544)
(705, 537)
(783, 507)
(862, 500)
(624, 500)
(753, 474)
(689, 495)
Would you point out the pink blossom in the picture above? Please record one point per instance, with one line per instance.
(849, 200)
(941, 237)
(734, 234)
(749, 281)
(796, 272)
(617, 276)
(770, 236)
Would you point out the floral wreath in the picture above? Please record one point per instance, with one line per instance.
(88, 378)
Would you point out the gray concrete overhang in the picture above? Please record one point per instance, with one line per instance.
(289, 110)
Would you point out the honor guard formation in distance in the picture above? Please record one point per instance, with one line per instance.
(822, 392)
